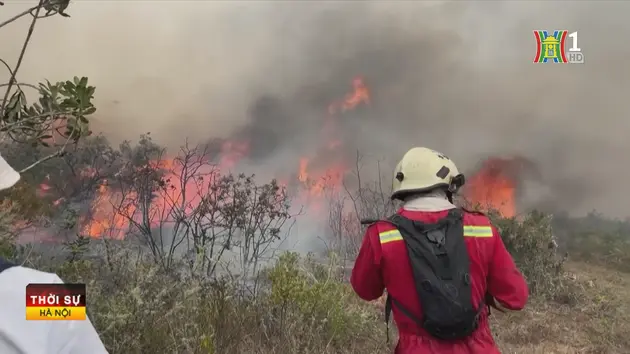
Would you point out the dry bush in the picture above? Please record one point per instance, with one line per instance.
(598, 323)
(305, 308)
(299, 306)
(531, 243)
(138, 308)
(611, 249)
(595, 239)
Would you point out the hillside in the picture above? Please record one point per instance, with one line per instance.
(595, 318)
(302, 306)
(151, 294)
(187, 238)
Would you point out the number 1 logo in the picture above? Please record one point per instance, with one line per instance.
(574, 45)
(550, 47)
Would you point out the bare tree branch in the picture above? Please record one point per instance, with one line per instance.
(57, 153)
(20, 15)
(64, 105)
(12, 80)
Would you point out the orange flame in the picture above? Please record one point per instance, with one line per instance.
(111, 210)
(493, 187)
(360, 94)
(317, 181)
(232, 152)
(104, 220)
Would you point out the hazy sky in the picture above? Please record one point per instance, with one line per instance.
(455, 76)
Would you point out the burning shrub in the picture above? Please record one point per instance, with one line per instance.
(140, 306)
(497, 184)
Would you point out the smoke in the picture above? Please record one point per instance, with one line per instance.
(455, 76)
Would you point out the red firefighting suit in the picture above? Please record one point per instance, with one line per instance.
(383, 263)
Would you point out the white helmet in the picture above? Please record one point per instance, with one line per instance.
(421, 170)
(8, 176)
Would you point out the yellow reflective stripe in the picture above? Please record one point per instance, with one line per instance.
(390, 236)
(477, 231)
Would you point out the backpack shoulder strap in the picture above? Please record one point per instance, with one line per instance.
(369, 221)
(475, 212)
(453, 215)
(395, 220)
(488, 299)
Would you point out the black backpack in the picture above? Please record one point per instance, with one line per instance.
(441, 270)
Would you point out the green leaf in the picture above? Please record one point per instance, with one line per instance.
(69, 87)
(13, 101)
(90, 110)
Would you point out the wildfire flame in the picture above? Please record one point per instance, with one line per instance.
(109, 211)
(232, 152)
(360, 94)
(494, 187)
(317, 180)
(104, 218)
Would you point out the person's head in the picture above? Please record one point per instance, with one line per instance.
(8, 176)
(424, 171)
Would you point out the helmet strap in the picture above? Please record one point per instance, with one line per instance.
(456, 183)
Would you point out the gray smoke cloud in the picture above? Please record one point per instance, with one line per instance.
(454, 76)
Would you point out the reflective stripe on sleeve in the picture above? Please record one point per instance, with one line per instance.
(390, 236)
(477, 231)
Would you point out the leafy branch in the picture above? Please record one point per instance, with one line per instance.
(59, 117)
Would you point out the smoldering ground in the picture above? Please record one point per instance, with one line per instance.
(455, 76)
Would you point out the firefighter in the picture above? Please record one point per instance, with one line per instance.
(442, 266)
(18, 336)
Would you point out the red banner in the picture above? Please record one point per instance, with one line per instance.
(55, 302)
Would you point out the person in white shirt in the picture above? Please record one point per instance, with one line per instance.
(19, 336)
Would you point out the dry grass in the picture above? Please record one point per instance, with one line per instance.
(308, 310)
(596, 320)
(301, 306)
(592, 316)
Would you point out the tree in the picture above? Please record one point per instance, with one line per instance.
(186, 208)
(59, 117)
(365, 196)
